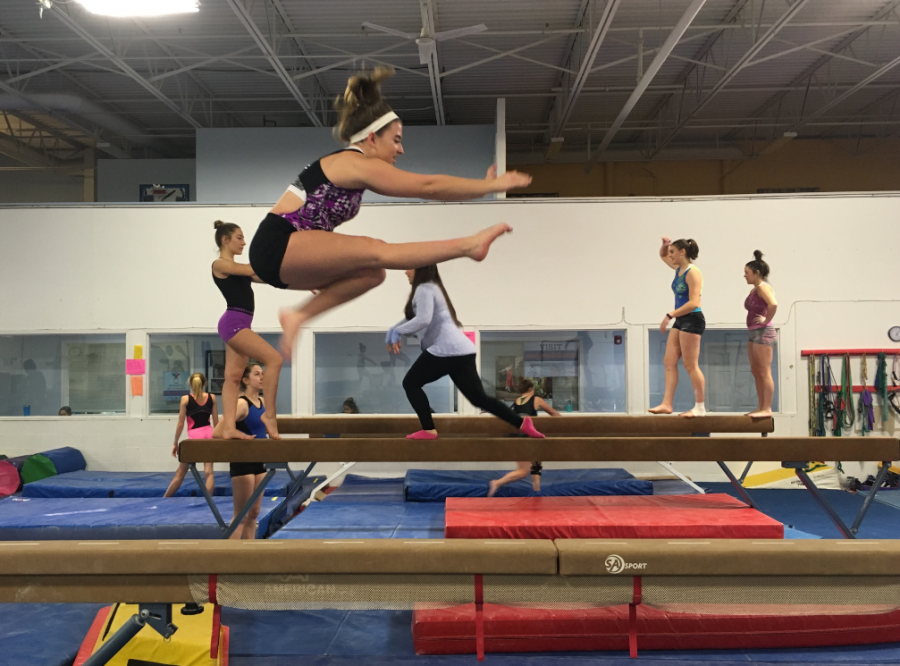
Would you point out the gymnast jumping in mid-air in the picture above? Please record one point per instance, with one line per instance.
(445, 351)
(684, 338)
(328, 192)
(241, 343)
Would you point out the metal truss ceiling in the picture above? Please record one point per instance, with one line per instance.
(740, 75)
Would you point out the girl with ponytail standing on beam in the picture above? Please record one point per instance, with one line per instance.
(689, 324)
(337, 267)
(234, 280)
(761, 307)
(445, 351)
(198, 408)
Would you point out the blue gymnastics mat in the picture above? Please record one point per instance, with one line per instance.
(357, 488)
(427, 485)
(36, 519)
(390, 518)
(86, 484)
(798, 510)
(43, 634)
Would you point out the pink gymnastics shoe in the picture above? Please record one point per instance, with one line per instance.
(529, 429)
(424, 434)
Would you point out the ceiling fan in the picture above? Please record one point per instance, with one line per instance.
(427, 38)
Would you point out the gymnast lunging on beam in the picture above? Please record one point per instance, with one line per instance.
(445, 351)
(684, 338)
(328, 192)
(241, 343)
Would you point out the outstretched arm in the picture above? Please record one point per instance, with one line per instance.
(228, 267)
(540, 403)
(664, 252)
(357, 171)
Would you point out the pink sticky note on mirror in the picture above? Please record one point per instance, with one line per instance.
(470, 335)
(135, 366)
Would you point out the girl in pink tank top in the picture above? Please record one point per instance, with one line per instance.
(761, 307)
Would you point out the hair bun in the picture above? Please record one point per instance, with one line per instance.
(217, 224)
(757, 254)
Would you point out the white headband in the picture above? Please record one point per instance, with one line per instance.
(386, 119)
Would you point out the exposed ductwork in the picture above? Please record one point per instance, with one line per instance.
(79, 106)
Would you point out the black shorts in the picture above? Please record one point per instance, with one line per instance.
(692, 322)
(243, 469)
(268, 247)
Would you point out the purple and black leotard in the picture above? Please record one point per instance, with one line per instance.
(239, 304)
(325, 206)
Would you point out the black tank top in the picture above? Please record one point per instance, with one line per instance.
(237, 291)
(526, 408)
(198, 415)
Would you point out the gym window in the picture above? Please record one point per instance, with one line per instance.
(577, 371)
(723, 360)
(41, 373)
(175, 357)
(358, 366)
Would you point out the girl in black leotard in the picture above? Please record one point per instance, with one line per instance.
(526, 404)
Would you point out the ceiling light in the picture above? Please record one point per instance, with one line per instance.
(125, 8)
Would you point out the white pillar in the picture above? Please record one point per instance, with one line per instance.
(500, 142)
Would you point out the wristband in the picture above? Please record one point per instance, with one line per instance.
(668, 316)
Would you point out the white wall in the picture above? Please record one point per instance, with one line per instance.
(256, 165)
(119, 181)
(586, 264)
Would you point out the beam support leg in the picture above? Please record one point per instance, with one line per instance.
(671, 469)
(737, 483)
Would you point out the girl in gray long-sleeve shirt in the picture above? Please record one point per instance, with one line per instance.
(445, 351)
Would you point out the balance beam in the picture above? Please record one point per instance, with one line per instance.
(597, 425)
(567, 449)
(163, 571)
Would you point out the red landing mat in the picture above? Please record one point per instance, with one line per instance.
(452, 630)
(619, 517)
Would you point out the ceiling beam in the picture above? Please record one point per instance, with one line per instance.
(434, 65)
(17, 149)
(742, 62)
(647, 78)
(606, 19)
(73, 25)
(704, 50)
(810, 71)
(247, 21)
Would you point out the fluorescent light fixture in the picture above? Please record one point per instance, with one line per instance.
(125, 8)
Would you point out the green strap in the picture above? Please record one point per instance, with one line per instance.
(881, 383)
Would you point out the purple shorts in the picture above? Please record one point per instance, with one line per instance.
(233, 321)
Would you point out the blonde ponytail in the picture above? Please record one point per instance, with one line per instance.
(197, 383)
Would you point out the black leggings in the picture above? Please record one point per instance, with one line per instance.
(429, 368)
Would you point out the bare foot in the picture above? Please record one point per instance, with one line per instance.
(494, 487)
(755, 410)
(271, 426)
(231, 433)
(690, 414)
(481, 242)
(662, 409)
(760, 414)
(291, 321)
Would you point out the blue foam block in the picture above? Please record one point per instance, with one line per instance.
(24, 519)
(66, 459)
(87, 484)
(43, 634)
(424, 485)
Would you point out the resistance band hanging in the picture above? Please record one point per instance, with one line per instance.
(866, 411)
(881, 384)
(811, 383)
(825, 407)
(892, 397)
(844, 413)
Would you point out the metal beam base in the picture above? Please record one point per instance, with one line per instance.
(157, 616)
